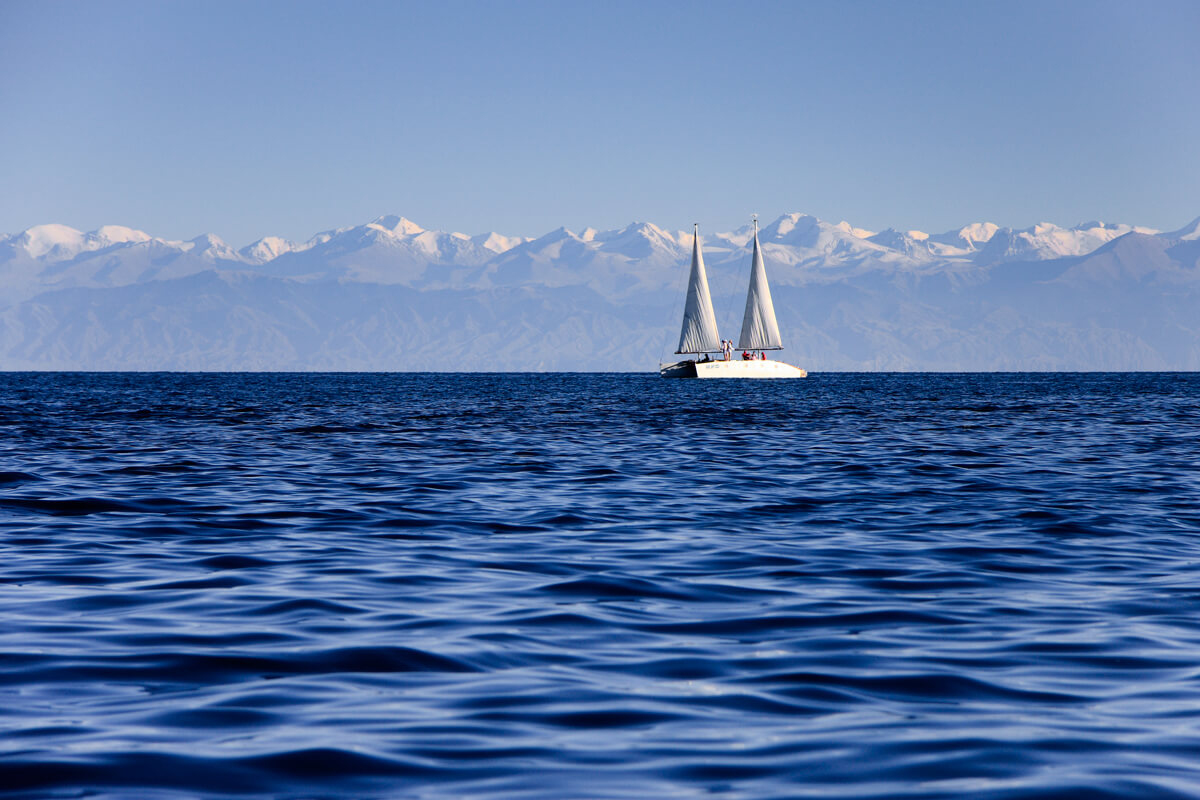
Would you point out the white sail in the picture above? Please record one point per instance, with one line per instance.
(760, 330)
(699, 334)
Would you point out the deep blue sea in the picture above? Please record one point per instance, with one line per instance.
(599, 586)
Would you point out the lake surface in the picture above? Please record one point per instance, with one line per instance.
(601, 586)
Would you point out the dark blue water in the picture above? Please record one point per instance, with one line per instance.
(548, 586)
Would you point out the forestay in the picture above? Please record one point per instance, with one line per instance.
(699, 334)
(760, 330)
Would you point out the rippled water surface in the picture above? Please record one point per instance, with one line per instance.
(494, 586)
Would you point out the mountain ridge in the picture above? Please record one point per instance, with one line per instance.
(63, 241)
(391, 295)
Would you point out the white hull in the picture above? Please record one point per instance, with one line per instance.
(757, 368)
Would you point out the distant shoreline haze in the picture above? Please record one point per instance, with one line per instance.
(390, 295)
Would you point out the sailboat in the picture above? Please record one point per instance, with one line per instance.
(760, 330)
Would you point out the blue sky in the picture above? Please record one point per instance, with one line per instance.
(261, 118)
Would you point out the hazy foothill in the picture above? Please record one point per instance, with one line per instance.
(390, 295)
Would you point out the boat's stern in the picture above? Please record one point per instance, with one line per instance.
(680, 369)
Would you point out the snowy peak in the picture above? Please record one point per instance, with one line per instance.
(60, 242)
(1046, 240)
(802, 239)
(968, 237)
(496, 242)
(636, 240)
(211, 246)
(394, 249)
(266, 249)
(53, 241)
(978, 233)
(792, 229)
(109, 235)
(920, 246)
(399, 226)
(323, 237)
(901, 242)
(859, 233)
(556, 236)
(807, 232)
(1188, 233)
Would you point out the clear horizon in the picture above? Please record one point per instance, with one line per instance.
(286, 119)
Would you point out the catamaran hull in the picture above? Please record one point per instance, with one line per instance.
(731, 369)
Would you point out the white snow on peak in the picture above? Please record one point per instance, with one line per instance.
(497, 243)
(1090, 235)
(978, 232)
(804, 239)
(427, 242)
(811, 238)
(624, 261)
(323, 237)
(559, 234)
(912, 244)
(637, 240)
(860, 233)
(61, 242)
(789, 223)
(118, 234)
(963, 241)
(396, 225)
(1188, 233)
(266, 249)
(1046, 240)
(209, 245)
(41, 240)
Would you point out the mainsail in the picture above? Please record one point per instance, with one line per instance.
(760, 330)
(699, 334)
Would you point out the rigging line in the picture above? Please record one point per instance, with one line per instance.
(729, 308)
(674, 315)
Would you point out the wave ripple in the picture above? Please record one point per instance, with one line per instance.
(501, 586)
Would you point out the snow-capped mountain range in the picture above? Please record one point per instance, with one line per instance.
(601, 290)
